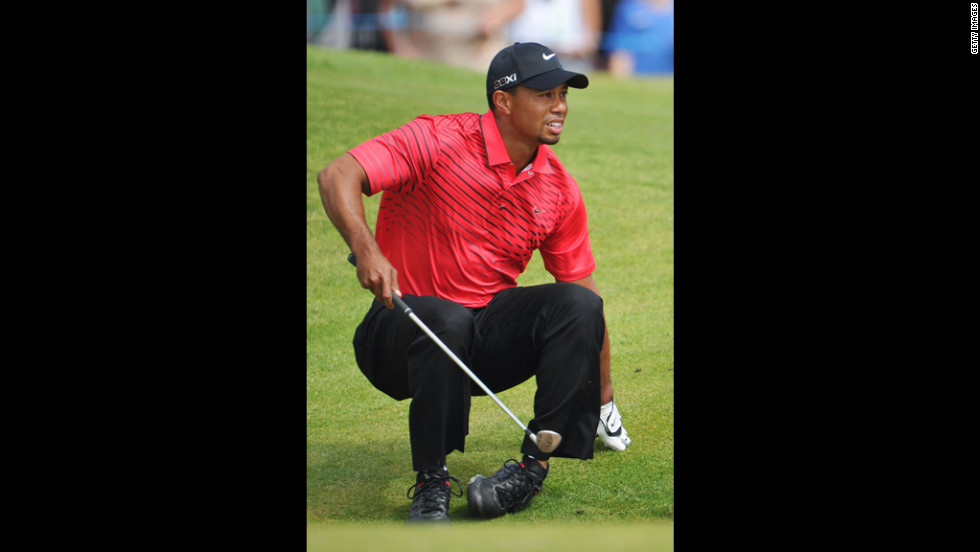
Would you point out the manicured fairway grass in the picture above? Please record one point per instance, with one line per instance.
(618, 144)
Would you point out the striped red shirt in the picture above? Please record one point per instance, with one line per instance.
(457, 222)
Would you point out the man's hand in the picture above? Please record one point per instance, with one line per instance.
(376, 274)
(611, 430)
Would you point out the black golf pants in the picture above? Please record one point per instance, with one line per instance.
(553, 332)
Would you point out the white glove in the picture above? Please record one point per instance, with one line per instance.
(611, 429)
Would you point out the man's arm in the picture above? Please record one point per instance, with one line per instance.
(341, 184)
(605, 379)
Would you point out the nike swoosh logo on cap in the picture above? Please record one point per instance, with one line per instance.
(546, 58)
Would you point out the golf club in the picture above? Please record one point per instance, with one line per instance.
(546, 441)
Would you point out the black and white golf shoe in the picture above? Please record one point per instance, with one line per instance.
(509, 490)
(430, 496)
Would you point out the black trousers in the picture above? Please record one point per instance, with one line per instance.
(553, 332)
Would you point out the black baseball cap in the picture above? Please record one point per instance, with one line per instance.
(532, 65)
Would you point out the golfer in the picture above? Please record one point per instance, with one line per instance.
(466, 200)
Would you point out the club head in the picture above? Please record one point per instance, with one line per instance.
(547, 441)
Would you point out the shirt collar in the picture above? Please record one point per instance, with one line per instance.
(497, 152)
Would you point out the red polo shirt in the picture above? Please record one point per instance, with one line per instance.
(457, 222)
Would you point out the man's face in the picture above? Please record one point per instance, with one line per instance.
(540, 113)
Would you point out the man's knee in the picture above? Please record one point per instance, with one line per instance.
(575, 316)
(453, 323)
(581, 300)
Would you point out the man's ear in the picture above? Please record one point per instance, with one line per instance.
(502, 101)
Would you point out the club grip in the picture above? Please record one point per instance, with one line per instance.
(401, 304)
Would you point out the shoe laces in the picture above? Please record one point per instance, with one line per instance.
(518, 485)
(432, 492)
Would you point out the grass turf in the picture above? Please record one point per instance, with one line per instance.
(618, 145)
(648, 536)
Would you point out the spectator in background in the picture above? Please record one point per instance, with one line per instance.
(641, 38)
(606, 15)
(462, 33)
(353, 24)
(572, 28)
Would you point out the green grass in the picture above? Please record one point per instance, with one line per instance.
(646, 536)
(618, 145)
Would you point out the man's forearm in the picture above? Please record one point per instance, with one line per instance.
(605, 378)
(340, 185)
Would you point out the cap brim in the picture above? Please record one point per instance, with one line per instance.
(556, 77)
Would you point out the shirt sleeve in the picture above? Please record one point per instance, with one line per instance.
(567, 253)
(399, 159)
